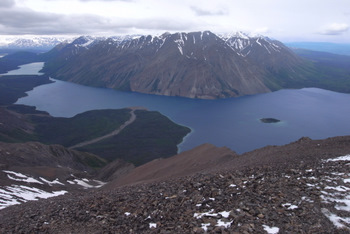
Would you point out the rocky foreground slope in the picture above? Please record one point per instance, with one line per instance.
(29, 171)
(302, 187)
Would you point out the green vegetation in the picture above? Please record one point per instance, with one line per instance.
(151, 136)
(82, 127)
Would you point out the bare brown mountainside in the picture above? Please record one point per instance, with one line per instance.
(201, 158)
(195, 65)
(208, 158)
(49, 161)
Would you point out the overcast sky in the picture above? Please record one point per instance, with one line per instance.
(285, 20)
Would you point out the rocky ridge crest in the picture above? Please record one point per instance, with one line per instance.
(195, 65)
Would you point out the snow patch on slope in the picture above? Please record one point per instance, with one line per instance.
(17, 194)
(85, 183)
(335, 190)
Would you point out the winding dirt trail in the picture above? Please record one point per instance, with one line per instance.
(115, 132)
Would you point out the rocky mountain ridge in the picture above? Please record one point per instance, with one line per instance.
(195, 64)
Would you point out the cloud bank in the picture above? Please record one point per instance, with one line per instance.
(204, 12)
(335, 29)
(278, 19)
(7, 3)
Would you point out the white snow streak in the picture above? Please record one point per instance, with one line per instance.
(271, 230)
(16, 194)
(341, 158)
(21, 177)
(257, 41)
(86, 183)
(56, 181)
(152, 225)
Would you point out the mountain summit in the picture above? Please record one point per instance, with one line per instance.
(195, 65)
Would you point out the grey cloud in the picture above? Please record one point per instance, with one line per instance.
(160, 24)
(106, 0)
(24, 21)
(7, 3)
(203, 12)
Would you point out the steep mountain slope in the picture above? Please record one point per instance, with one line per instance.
(196, 64)
(189, 162)
(208, 158)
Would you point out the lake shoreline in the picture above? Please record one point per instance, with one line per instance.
(230, 122)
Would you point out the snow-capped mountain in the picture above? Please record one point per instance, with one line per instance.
(264, 51)
(195, 64)
(37, 43)
(241, 42)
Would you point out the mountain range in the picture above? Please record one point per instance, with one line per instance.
(195, 64)
(34, 43)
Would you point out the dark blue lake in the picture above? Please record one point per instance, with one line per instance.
(232, 122)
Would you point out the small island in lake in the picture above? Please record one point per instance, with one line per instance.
(269, 120)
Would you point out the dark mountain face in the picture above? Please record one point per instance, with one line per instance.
(195, 65)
